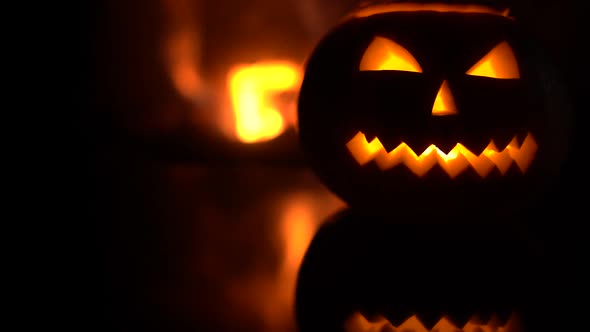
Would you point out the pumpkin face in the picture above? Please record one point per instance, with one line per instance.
(429, 105)
(365, 274)
(357, 322)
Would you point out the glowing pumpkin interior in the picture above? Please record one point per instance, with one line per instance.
(359, 323)
(384, 54)
(454, 162)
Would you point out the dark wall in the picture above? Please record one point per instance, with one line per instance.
(103, 158)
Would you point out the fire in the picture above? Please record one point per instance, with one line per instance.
(182, 49)
(271, 294)
(454, 162)
(299, 225)
(252, 88)
(182, 66)
(302, 214)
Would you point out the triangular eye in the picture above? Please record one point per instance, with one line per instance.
(384, 54)
(498, 63)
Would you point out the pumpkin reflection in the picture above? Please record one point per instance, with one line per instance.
(359, 323)
(369, 273)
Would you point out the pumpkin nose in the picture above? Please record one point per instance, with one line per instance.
(444, 103)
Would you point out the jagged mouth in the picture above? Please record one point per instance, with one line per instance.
(455, 162)
(359, 323)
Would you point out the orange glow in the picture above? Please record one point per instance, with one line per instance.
(454, 162)
(183, 69)
(301, 215)
(385, 54)
(251, 89)
(444, 104)
(268, 294)
(415, 7)
(358, 323)
(498, 63)
(182, 49)
(299, 225)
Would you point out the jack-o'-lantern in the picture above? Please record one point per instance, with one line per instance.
(362, 275)
(430, 106)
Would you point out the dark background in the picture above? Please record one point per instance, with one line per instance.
(131, 192)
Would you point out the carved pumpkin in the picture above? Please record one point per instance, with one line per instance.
(429, 105)
(362, 274)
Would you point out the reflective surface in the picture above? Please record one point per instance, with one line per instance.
(190, 232)
(207, 247)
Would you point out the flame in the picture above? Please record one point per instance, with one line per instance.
(454, 162)
(437, 7)
(251, 88)
(299, 226)
(301, 215)
(358, 323)
(182, 49)
(181, 55)
(274, 295)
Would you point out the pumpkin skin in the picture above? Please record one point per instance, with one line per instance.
(338, 101)
(359, 264)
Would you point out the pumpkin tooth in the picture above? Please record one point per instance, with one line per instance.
(388, 328)
(521, 136)
(389, 145)
(412, 324)
(481, 318)
(418, 145)
(461, 319)
(431, 320)
(370, 137)
(445, 325)
(399, 316)
(513, 324)
(478, 143)
(501, 317)
(503, 139)
(446, 146)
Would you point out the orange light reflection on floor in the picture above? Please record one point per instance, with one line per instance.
(358, 323)
(302, 216)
